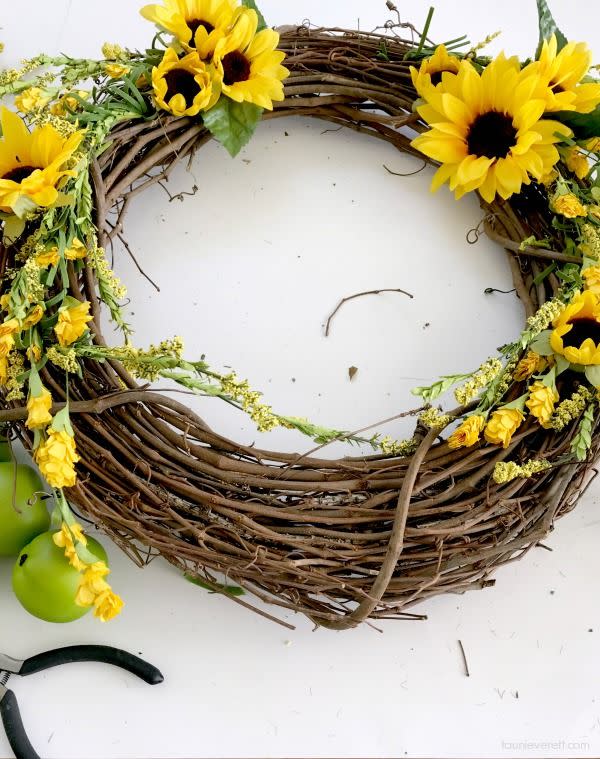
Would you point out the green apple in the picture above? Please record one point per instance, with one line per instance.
(46, 584)
(23, 513)
(5, 454)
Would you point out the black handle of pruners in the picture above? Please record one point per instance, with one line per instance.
(104, 654)
(13, 725)
(9, 707)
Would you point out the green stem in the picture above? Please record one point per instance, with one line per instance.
(425, 30)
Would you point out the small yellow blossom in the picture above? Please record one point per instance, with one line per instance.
(47, 257)
(3, 370)
(116, 70)
(591, 276)
(541, 402)
(31, 99)
(76, 250)
(467, 433)
(8, 327)
(568, 206)
(107, 606)
(38, 408)
(72, 323)
(549, 178)
(502, 425)
(577, 162)
(6, 344)
(34, 353)
(56, 458)
(33, 316)
(64, 539)
(67, 103)
(92, 583)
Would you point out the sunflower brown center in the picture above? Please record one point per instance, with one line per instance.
(436, 77)
(236, 68)
(582, 330)
(491, 135)
(182, 82)
(196, 23)
(19, 173)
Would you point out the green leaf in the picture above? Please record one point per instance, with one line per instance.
(584, 125)
(262, 24)
(548, 27)
(431, 392)
(23, 206)
(541, 344)
(582, 442)
(592, 374)
(543, 274)
(561, 364)
(62, 421)
(12, 229)
(232, 124)
(230, 590)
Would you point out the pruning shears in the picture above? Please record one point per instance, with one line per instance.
(9, 708)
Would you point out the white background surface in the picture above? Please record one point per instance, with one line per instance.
(249, 269)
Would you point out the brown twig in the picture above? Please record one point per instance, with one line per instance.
(360, 295)
(464, 658)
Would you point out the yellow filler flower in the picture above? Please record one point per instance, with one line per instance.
(183, 86)
(576, 333)
(487, 131)
(32, 164)
(562, 72)
(248, 64)
(432, 70)
(197, 24)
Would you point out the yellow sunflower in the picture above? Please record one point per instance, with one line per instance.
(576, 333)
(32, 164)
(197, 24)
(563, 72)
(247, 63)
(183, 86)
(432, 70)
(487, 130)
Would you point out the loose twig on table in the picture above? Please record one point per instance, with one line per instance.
(359, 295)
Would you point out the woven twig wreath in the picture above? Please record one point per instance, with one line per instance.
(340, 541)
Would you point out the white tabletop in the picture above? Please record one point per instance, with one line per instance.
(249, 269)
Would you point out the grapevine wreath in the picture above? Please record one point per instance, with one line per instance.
(480, 482)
